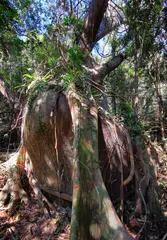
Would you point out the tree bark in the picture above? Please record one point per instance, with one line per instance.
(159, 97)
(92, 24)
(94, 216)
(61, 137)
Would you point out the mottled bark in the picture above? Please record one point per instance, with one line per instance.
(93, 215)
(69, 159)
(61, 137)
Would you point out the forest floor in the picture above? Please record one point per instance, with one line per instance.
(35, 222)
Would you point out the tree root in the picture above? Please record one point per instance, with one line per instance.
(53, 191)
(12, 193)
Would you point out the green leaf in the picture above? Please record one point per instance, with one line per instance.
(48, 76)
(28, 76)
(66, 21)
(73, 19)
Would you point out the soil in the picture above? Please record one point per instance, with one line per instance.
(36, 221)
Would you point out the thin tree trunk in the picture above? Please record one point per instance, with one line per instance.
(159, 97)
(136, 78)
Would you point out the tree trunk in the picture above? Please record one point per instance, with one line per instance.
(94, 216)
(68, 146)
(65, 156)
(136, 77)
(159, 97)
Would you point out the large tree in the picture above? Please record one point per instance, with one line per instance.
(71, 146)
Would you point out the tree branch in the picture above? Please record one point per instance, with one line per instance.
(92, 24)
(111, 23)
(106, 31)
(3, 90)
(106, 68)
(6, 93)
